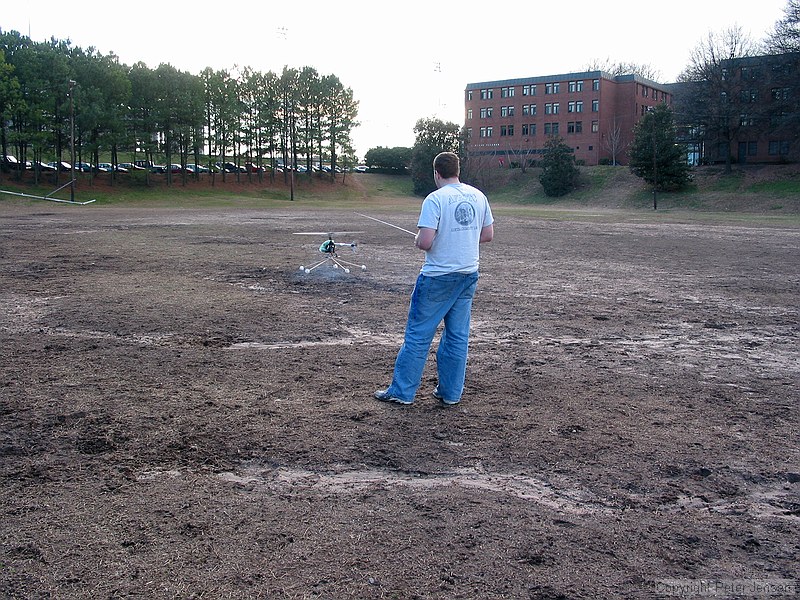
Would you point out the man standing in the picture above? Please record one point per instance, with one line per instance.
(454, 220)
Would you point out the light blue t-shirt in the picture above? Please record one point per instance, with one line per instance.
(457, 212)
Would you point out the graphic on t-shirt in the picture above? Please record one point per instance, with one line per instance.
(465, 213)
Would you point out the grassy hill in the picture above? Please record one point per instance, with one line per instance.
(754, 190)
(750, 188)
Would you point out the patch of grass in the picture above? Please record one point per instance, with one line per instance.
(773, 198)
(730, 182)
(515, 187)
(383, 185)
(777, 188)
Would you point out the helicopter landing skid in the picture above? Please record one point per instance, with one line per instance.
(337, 262)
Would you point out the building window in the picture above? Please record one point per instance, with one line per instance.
(746, 120)
(486, 132)
(469, 114)
(529, 110)
(575, 87)
(748, 96)
(575, 127)
(551, 108)
(645, 91)
(507, 92)
(777, 119)
(780, 93)
(747, 149)
(595, 105)
(506, 111)
(779, 147)
(506, 131)
(595, 126)
(487, 94)
(595, 84)
(529, 90)
(551, 128)
(469, 132)
(487, 112)
(552, 88)
(749, 74)
(529, 129)
(469, 94)
(575, 106)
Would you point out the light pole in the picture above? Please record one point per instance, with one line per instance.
(72, 140)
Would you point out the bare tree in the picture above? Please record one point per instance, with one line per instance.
(613, 141)
(623, 68)
(716, 104)
(785, 35)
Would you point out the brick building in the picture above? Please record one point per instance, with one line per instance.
(593, 112)
(747, 110)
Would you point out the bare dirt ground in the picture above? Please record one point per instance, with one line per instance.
(185, 414)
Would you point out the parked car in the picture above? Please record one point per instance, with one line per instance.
(361, 168)
(131, 166)
(230, 167)
(10, 162)
(158, 169)
(42, 166)
(197, 169)
(253, 168)
(108, 167)
(175, 168)
(144, 164)
(61, 166)
(84, 167)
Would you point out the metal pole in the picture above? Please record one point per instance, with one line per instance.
(72, 140)
(655, 171)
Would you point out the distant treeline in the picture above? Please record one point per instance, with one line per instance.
(52, 93)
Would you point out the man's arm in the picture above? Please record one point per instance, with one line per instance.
(487, 234)
(424, 238)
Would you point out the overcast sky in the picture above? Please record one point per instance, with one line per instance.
(403, 60)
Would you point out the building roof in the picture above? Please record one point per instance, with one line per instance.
(564, 77)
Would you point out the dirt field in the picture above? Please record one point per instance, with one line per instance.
(185, 414)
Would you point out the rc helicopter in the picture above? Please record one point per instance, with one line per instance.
(329, 248)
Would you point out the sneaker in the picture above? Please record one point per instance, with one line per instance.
(441, 399)
(385, 396)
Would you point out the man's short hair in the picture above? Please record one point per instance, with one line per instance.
(447, 165)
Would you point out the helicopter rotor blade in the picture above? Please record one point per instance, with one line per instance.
(328, 233)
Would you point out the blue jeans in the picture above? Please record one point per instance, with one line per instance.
(445, 298)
